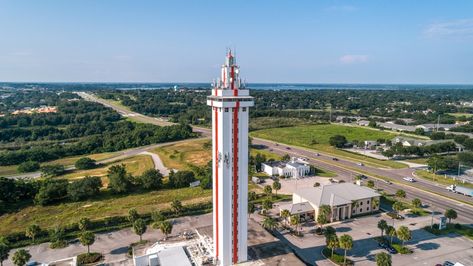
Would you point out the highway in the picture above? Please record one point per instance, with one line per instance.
(436, 196)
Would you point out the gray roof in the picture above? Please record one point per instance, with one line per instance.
(175, 256)
(298, 208)
(439, 125)
(343, 193)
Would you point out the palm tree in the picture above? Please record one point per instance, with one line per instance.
(133, 215)
(176, 205)
(404, 234)
(285, 214)
(383, 259)
(397, 206)
(391, 231)
(166, 228)
(332, 242)
(84, 223)
(276, 186)
(450, 214)
(269, 223)
(295, 220)
(251, 208)
(374, 204)
(268, 190)
(267, 204)
(346, 243)
(382, 225)
(401, 193)
(32, 231)
(321, 219)
(416, 203)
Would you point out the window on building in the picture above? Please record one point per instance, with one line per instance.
(361, 203)
(226, 109)
(244, 109)
(361, 209)
(367, 208)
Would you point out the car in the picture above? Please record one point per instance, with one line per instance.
(335, 159)
(360, 164)
(390, 249)
(288, 148)
(317, 154)
(387, 181)
(448, 263)
(409, 179)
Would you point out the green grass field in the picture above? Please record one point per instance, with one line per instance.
(467, 115)
(103, 206)
(317, 137)
(440, 179)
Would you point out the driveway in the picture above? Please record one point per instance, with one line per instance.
(158, 164)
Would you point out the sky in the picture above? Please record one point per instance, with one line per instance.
(408, 42)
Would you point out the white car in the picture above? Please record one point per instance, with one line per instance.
(409, 179)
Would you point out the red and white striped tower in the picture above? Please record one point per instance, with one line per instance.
(230, 102)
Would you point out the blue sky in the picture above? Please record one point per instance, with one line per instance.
(276, 41)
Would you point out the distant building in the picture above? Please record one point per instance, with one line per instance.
(295, 168)
(345, 199)
(364, 123)
(410, 142)
(371, 144)
(397, 127)
(436, 127)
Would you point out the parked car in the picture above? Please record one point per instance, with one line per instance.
(409, 179)
(387, 181)
(390, 249)
(448, 263)
(360, 164)
(335, 159)
(317, 154)
(287, 148)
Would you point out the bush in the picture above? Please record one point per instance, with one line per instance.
(58, 244)
(336, 258)
(181, 179)
(52, 170)
(401, 249)
(28, 166)
(85, 163)
(84, 188)
(87, 258)
(50, 191)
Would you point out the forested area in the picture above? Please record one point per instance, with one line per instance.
(423, 105)
(78, 128)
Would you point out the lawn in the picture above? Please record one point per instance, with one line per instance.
(180, 155)
(8, 170)
(467, 115)
(440, 179)
(103, 206)
(317, 137)
(135, 165)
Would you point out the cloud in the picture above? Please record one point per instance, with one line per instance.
(353, 59)
(455, 28)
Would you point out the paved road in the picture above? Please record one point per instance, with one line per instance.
(438, 198)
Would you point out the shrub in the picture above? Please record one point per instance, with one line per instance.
(28, 166)
(85, 163)
(402, 249)
(50, 191)
(84, 188)
(88, 258)
(336, 258)
(181, 179)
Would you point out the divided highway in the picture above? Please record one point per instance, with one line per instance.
(436, 196)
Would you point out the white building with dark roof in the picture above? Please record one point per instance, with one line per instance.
(345, 199)
(295, 168)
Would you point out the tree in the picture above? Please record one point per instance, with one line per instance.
(329, 231)
(321, 219)
(52, 170)
(391, 231)
(383, 259)
(372, 123)
(286, 157)
(267, 204)
(177, 207)
(285, 214)
(4, 252)
(295, 220)
(85, 163)
(28, 166)
(404, 234)
(346, 243)
(251, 208)
(400, 193)
(119, 181)
(166, 228)
(276, 186)
(332, 242)
(397, 206)
(338, 141)
(269, 223)
(51, 190)
(416, 203)
(151, 179)
(370, 184)
(181, 179)
(32, 231)
(450, 214)
(268, 190)
(84, 224)
(84, 188)
(252, 196)
(57, 236)
(325, 211)
(382, 225)
(374, 204)
(139, 227)
(133, 215)
(21, 257)
(87, 238)
(157, 218)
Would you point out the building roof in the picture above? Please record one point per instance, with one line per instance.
(298, 208)
(438, 125)
(174, 256)
(336, 194)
